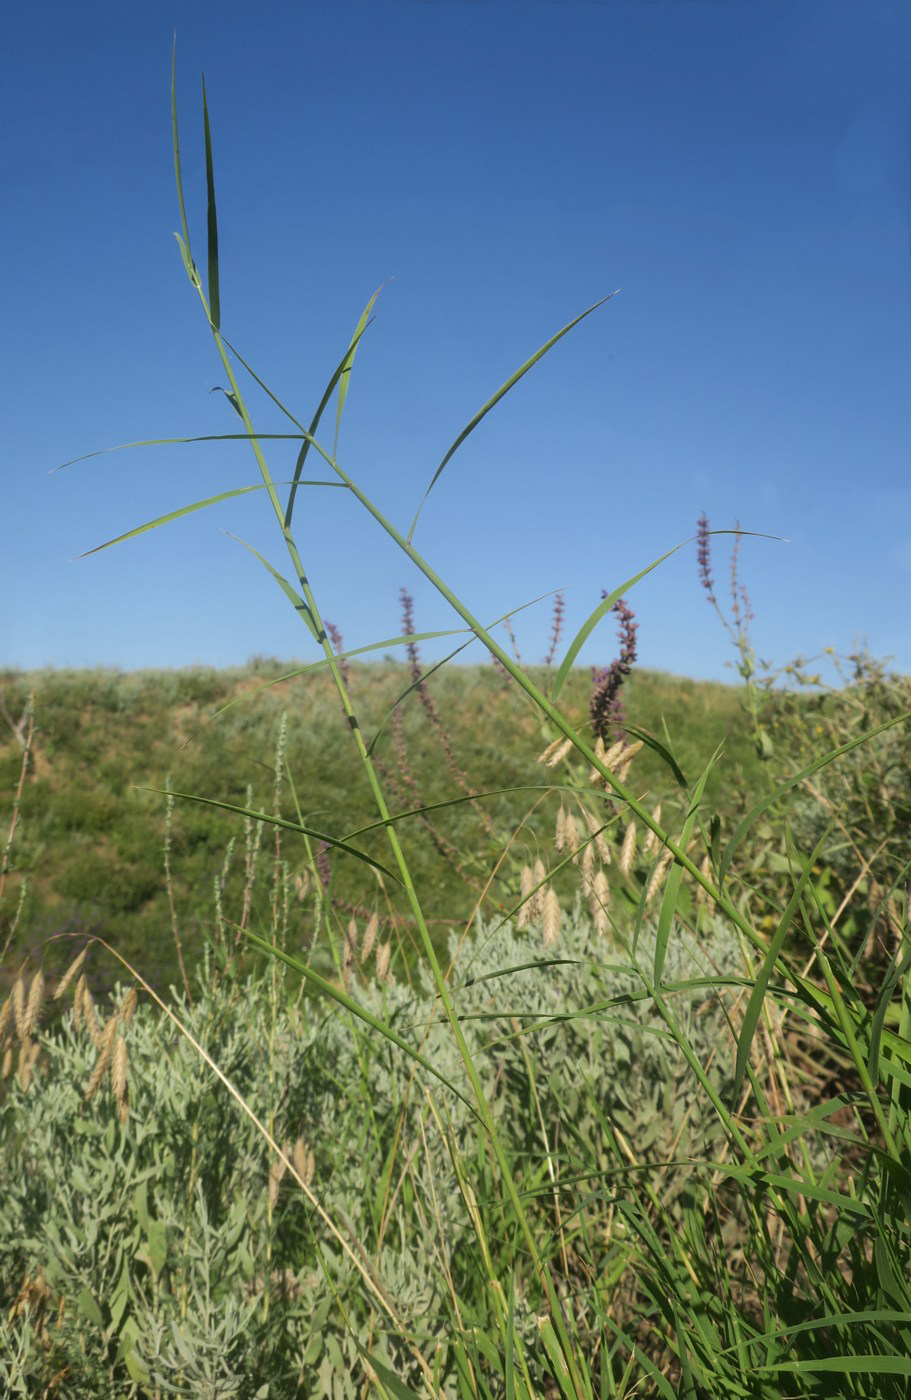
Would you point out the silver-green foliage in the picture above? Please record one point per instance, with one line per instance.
(177, 1278)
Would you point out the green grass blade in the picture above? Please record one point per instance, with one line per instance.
(337, 994)
(345, 375)
(291, 593)
(177, 170)
(675, 878)
(492, 402)
(876, 1365)
(396, 1388)
(211, 219)
(182, 442)
(188, 510)
(276, 821)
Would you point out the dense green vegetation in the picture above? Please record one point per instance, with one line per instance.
(91, 836)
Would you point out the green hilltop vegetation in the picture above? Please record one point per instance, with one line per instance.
(93, 815)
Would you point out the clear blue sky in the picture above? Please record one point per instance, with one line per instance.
(740, 169)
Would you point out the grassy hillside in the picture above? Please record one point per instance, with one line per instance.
(91, 834)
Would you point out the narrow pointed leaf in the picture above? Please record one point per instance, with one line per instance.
(337, 994)
(182, 442)
(297, 602)
(345, 376)
(211, 220)
(177, 171)
(492, 402)
(188, 510)
(277, 821)
(760, 987)
(672, 889)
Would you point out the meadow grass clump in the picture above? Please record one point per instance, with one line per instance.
(635, 1124)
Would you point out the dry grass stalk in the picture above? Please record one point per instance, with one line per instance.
(560, 833)
(105, 1050)
(651, 841)
(35, 993)
(19, 1007)
(119, 1078)
(128, 1006)
(70, 973)
(383, 954)
(5, 1015)
(304, 1161)
(370, 933)
(628, 849)
(555, 752)
(550, 918)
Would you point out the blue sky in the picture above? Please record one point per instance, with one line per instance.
(739, 170)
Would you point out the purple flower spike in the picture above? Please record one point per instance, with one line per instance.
(605, 706)
(703, 554)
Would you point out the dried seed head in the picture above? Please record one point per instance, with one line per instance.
(70, 973)
(560, 834)
(35, 993)
(119, 1077)
(572, 834)
(555, 752)
(128, 1006)
(19, 1007)
(370, 933)
(25, 1062)
(599, 902)
(383, 954)
(526, 883)
(304, 1161)
(613, 756)
(302, 885)
(628, 849)
(550, 917)
(651, 841)
(595, 829)
(588, 863)
(5, 1015)
(7, 1060)
(626, 759)
(657, 875)
(91, 1020)
(105, 1050)
(276, 1172)
(77, 1002)
(536, 903)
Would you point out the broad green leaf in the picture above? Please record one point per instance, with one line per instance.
(492, 402)
(398, 1389)
(90, 1310)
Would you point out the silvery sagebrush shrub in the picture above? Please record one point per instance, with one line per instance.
(167, 1272)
